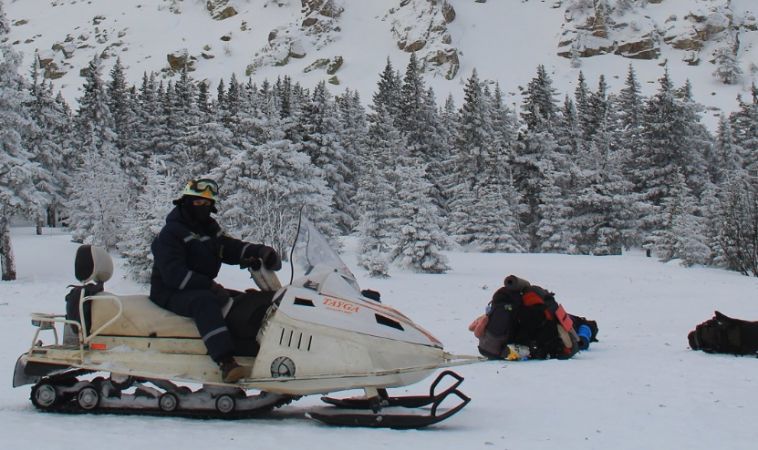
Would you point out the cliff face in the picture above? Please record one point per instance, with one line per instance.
(325, 39)
(627, 28)
(421, 26)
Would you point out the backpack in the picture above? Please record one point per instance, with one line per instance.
(73, 298)
(527, 315)
(724, 334)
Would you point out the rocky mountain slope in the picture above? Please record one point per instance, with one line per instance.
(347, 42)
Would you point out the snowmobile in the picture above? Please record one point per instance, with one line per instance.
(319, 335)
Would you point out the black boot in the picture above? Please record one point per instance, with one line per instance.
(231, 372)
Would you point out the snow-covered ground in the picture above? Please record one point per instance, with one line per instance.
(640, 387)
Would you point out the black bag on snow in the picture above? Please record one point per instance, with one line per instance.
(724, 334)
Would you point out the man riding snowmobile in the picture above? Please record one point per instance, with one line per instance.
(188, 253)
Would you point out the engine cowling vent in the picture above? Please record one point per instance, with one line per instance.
(292, 338)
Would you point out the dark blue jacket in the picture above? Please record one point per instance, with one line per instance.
(188, 255)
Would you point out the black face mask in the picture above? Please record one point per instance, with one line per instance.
(200, 214)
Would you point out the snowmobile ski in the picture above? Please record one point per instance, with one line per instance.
(411, 401)
(409, 418)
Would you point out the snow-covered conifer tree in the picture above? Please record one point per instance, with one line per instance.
(17, 172)
(417, 118)
(322, 143)
(738, 231)
(120, 103)
(597, 109)
(539, 106)
(472, 152)
(724, 160)
(728, 69)
(745, 126)
(535, 153)
(99, 198)
(420, 238)
(552, 234)
(376, 198)
(377, 195)
(265, 185)
(662, 153)
(582, 104)
(353, 129)
(683, 235)
(388, 91)
(48, 147)
(601, 208)
(147, 218)
(698, 141)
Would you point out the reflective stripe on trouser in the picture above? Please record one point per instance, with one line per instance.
(205, 308)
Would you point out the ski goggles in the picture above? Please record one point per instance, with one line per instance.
(203, 187)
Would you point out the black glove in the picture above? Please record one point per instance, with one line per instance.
(250, 261)
(270, 258)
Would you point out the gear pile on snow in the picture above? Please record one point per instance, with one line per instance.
(524, 321)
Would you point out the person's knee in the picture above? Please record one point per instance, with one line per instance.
(205, 302)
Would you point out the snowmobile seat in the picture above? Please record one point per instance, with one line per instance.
(140, 317)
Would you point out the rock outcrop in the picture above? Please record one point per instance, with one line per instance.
(315, 28)
(597, 27)
(220, 9)
(421, 26)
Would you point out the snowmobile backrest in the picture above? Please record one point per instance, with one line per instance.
(92, 264)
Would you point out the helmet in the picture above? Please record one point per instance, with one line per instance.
(204, 188)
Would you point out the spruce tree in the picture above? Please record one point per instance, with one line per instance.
(46, 142)
(539, 106)
(353, 128)
(738, 231)
(147, 218)
(728, 69)
(17, 172)
(663, 152)
(536, 152)
(419, 239)
(724, 160)
(98, 199)
(745, 126)
(265, 186)
(387, 94)
(682, 235)
(377, 195)
(322, 142)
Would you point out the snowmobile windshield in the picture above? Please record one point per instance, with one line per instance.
(312, 250)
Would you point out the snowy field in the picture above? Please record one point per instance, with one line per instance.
(640, 387)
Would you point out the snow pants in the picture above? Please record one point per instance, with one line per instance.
(204, 306)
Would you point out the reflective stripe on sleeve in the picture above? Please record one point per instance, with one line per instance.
(244, 248)
(210, 334)
(186, 280)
